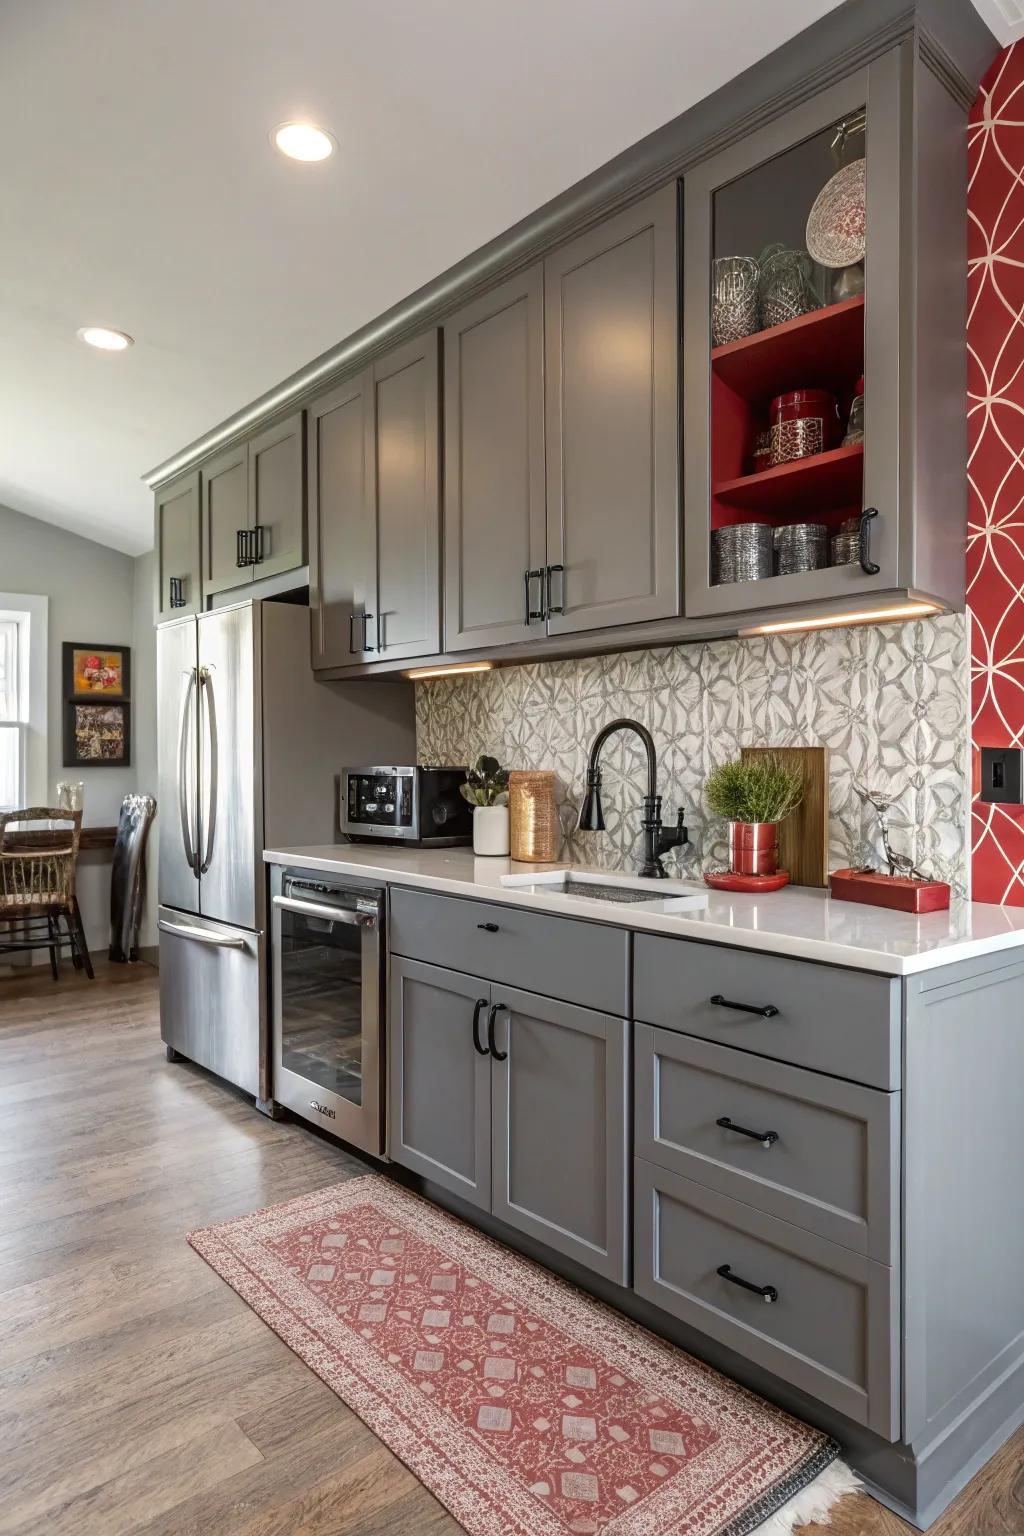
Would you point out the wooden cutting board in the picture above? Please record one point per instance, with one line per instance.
(803, 837)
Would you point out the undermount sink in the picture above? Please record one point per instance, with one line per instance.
(669, 896)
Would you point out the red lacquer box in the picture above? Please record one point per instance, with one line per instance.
(893, 891)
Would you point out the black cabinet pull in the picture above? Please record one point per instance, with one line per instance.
(257, 545)
(767, 1293)
(768, 1011)
(241, 541)
(530, 612)
(352, 634)
(176, 597)
(488, 927)
(551, 607)
(867, 565)
(766, 1138)
(491, 1017)
(366, 642)
(480, 1004)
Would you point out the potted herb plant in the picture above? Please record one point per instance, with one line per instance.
(486, 789)
(753, 797)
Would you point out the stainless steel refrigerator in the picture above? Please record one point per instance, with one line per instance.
(250, 747)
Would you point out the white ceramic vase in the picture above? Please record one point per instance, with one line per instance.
(490, 830)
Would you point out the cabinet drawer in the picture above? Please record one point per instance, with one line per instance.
(829, 1019)
(555, 956)
(828, 1157)
(830, 1329)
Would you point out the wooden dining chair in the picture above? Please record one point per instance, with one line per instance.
(38, 866)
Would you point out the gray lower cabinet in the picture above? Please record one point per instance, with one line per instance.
(814, 1150)
(516, 1103)
(439, 1083)
(612, 423)
(176, 538)
(559, 1159)
(494, 523)
(816, 1314)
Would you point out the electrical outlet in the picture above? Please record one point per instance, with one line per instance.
(1002, 775)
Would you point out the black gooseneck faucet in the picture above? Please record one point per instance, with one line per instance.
(657, 839)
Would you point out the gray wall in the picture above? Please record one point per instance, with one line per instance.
(96, 595)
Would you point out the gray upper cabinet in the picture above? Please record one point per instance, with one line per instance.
(439, 1121)
(611, 343)
(176, 537)
(277, 497)
(847, 332)
(407, 500)
(375, 512)
(559, 1127)
(342, 554)
(494, 519)
(254, 508)
(225, 519)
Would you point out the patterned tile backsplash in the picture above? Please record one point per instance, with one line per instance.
(889, 701)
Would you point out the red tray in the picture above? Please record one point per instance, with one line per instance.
(725, 880)
(893, 891)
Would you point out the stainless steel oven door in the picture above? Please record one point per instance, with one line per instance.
(327, 1006)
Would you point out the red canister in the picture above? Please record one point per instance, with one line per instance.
(803, 422)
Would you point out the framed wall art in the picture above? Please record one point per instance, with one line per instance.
(97, 735)
(96, 671)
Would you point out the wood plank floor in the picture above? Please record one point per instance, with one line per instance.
(138, 1393)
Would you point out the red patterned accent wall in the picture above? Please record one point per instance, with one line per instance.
(995, 552)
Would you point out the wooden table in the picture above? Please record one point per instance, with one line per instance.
(92, 839)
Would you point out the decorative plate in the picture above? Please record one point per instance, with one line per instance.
(836, 224)
(725, 880)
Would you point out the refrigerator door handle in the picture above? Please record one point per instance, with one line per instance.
(210, 763)
(202, 935)
(184, 765)
(352, 918)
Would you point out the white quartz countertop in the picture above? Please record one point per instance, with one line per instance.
(796, 921)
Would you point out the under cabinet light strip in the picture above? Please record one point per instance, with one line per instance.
(864, 616)
(456, 670)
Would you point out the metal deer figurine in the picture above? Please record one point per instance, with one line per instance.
(882, 801)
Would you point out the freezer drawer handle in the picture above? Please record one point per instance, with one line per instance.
(202, 935)
(768, 1011)
(357, 919)
(766, 1138)
(767, 1293)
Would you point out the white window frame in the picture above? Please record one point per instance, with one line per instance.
(31, 614)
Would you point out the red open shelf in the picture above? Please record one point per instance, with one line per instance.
(821, 350)
(828, 480)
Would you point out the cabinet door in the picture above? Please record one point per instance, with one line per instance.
(407, 499)
(762, 320)
(342, 547)
(494, 466)
(225, 517)
(611, 342)
(178, 584)
(277, 496)
(559, 1128)
(439, 1082)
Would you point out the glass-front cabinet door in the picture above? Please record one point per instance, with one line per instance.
(791, 355)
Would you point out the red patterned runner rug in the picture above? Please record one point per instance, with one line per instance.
(526, 1407)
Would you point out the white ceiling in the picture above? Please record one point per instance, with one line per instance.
(139, 191)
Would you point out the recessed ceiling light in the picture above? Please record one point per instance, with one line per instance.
(103, 338)
(303, 141)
